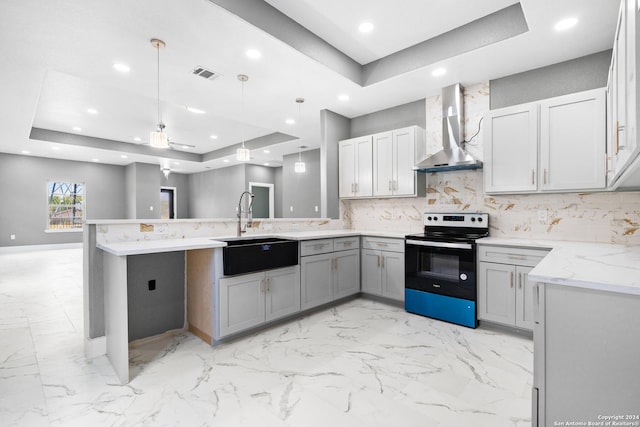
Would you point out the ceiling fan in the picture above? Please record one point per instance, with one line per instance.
(169, 142)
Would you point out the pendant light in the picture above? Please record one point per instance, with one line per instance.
(158, 139)
(299, 166)
(243, 154)
(166, 171)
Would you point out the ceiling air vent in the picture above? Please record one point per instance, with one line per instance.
(206, 74)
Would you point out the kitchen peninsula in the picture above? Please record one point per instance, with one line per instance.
(175, 265)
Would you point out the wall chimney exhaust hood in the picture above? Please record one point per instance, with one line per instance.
(453, 155)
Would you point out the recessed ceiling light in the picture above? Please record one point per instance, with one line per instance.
(25, 152)
(137, 139)
(92, 111)
(213, 136)
(439, 72)
(176, 163)
(290, 122)
(95, 160)
(565, 24)
(77, 128)
(343, 97)
(123, 68)
(55, 147)
(186, 147)
(266, 164)
(266, 151)
(194, 110)
(253, 53)
(365, 27)
(123, 156)
(226, 160)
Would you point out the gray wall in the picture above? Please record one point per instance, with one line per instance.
(24, 181)
(587, 72)
(146, 188)
(301, 190)
(277, 199)
(411, 114)
(215, 193)
(333, 128)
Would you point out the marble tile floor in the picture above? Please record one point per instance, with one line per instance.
(362, 363)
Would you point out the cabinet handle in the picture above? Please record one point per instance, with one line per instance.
(511, 279)
(336, 262)
(607, 159)
(617, 146)
(378, 257)
(395, 185)
(544, 180)
(357, 188)
(262, 286)
(533, 177)
(519, 280)
(390, 185)
(269, 284)
(382, 261)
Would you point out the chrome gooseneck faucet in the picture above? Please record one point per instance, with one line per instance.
(248, 212)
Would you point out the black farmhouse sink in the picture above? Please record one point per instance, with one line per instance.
(248, 255)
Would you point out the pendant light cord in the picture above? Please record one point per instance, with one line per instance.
(158, 65)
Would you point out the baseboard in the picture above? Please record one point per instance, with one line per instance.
(36, 248)
(95, 347)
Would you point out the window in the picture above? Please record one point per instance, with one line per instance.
(65, 202)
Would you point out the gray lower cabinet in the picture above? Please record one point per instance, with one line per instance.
(250, 300)
(330, 269)
(505, 294)
(585, 357)
(383, 267)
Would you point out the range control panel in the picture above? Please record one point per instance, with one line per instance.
(458, 219)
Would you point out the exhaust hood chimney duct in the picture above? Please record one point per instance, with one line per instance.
(452, 156)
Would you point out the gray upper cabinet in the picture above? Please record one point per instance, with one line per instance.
(389, 171)
(555, 145)
(355, 167)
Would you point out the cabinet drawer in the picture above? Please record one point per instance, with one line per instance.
(512, 256)
(346, 243)
(383, 244)
(314, 247)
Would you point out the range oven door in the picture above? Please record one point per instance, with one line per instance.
(444, 268)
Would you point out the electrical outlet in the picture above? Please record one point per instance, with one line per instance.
(161, 229)
(13, 237)
(542, 216)
(316, 209)
(150, 208)
(291, 208)
(152, 285)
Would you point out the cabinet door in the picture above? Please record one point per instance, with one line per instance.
(346, 273)
(364, 167)
(282, 293)
(404, 158)
(316, 278)
(241, 303)
(371, 272)
(383, 179)
(496, 293)
(511, 149)
(346, 168)
(573, 141)
(393, 275)
(524, 298)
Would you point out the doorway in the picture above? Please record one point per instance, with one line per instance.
(168, 203)
(263, 201)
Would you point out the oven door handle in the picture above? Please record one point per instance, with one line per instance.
(440, 244)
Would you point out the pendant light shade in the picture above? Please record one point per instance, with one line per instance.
(157, 138)
(299, 166)
(242, 153)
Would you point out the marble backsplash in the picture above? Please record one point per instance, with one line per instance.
(609, 217)
(138, 230)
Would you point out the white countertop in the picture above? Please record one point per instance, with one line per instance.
(171, 245)
(599, 266)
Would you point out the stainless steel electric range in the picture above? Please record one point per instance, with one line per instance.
(440, 267)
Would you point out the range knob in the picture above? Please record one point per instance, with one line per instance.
(435, 218)
(473, 219)
(479, 219)
(428, 218)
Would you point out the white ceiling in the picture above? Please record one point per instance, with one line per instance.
(58, 56)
